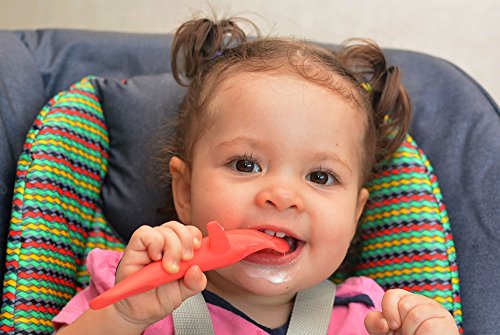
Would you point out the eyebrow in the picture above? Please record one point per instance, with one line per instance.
(325, 156)
(241, 140)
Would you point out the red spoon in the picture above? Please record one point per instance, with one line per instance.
(218, 249)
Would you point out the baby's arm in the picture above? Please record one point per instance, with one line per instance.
(170, 243)
(410, 314)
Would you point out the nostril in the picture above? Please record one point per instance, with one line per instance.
(280, 198)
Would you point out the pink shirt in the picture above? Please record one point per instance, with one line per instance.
(345, 319)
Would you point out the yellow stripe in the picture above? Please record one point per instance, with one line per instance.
(23, 162)
(408, 154)
(394, 212)
(425, 269)
(7, 315)
(73, 149)
(36, 288)
(58, 201)
(79, 125)
(443, 300)
(10, 282)
(405, 241)
(51, 260)
(14, 220)
(54, 231)
(33, 321)
(67, 98)
(396, 183)
(19, 190)
(69, 176)
(103, 246)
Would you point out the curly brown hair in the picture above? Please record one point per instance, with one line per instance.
(205, 52)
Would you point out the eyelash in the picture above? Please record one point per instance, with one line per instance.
(330, 172)
(249, 157)
(244, 157)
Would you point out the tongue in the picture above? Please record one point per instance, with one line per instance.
(292, 245)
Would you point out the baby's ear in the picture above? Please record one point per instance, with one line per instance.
(181, 188)
(360, 205)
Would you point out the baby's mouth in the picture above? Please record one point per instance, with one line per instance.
(292, 242)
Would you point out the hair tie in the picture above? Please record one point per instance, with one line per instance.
(367, 87)
(216, 55)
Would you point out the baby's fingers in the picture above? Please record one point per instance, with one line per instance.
(390, 307)
(146, 244)
(190, 237)
(427, 319)
(194, 282)
(376, 324)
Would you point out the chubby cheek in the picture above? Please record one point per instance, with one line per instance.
(212, 203)
(330, 246)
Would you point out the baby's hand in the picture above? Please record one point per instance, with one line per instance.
(170, 243)
(405, 313)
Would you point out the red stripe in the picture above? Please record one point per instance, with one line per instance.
(46, 217)
(9, 295)
(399, 199)
(68, 164)
(38, 308)
(51, 187)
(428, 287)
(85, 93)
(84, 143)
(400, 170)
(104, 235)
(401, 229)
(12, 263)
(401, 259)
(45, 278)
(17, 202)
(46, 246)
(6, 329)
(78, 113)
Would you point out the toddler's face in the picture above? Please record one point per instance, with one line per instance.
(281, 154)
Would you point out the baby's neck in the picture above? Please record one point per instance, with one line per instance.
(269, 311)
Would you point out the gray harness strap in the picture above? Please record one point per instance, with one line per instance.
(312, 310)
(311, 313)
(192, 317)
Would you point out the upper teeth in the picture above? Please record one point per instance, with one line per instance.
(279, 234)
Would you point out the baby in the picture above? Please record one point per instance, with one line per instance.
(280, 136)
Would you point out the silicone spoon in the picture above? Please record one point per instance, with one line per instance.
(218, 249)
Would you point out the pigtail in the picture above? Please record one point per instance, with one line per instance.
(198, 42)
(384, 91)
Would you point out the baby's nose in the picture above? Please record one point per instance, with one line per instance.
(281, 197)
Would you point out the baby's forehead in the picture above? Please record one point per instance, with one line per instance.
(240, 78)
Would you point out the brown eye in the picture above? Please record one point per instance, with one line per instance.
(321, 177)
(246, 166)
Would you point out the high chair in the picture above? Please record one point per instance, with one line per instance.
(79, 111)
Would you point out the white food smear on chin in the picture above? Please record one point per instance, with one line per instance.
(272, 274)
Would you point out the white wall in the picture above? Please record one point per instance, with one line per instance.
(464, 32)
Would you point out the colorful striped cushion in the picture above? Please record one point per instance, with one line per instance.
(57, 218)
(405, 236)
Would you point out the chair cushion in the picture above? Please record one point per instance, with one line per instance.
(405, 240)
(64, 186)
(139, 112)
(56, 217)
